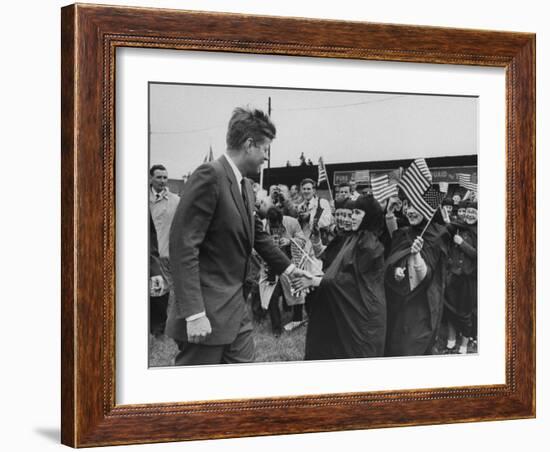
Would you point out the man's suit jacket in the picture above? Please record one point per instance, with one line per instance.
(211, 241)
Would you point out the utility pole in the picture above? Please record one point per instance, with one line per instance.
(269, 148)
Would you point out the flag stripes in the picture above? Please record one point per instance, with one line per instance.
(322, 172)
(382, 189)
(465, 181)
(414, 184)
(423, 167)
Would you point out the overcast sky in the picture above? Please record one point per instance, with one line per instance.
(185, 120)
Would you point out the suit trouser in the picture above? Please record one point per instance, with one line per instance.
(241, 350)
(157, 313)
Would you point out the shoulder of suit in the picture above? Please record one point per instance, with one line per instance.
(218, 167)
(206, 169)
(204, 174)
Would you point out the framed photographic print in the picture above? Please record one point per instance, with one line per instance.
(278, 225)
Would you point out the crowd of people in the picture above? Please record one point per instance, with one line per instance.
(365, 278)
(378, 288)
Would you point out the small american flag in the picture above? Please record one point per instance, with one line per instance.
(296, 253)
(414, 183)
(423, 167)
(382, 189)
(465, 181)
(433, 198)
(322, 172)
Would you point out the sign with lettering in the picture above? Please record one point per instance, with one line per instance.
(442, 174)
(345, 177)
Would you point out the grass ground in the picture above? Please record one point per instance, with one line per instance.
(289, 346)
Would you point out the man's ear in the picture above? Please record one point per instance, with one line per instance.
(248, 144)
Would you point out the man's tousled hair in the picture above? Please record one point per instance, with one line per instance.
(248, 123)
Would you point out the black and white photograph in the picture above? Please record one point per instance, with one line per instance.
(343, 296)
(298, 224)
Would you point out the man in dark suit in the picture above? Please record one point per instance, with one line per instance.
(212, 236)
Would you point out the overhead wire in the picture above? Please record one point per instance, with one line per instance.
(325, 107)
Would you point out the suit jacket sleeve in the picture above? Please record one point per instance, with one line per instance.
(189, 227)
(265, 247)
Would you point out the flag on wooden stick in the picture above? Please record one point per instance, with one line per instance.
(414, 183)
(423, 168)
(465, 181)
(382, 189)
(322, 176)
(434, 198)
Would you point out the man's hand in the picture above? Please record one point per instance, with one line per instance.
(299, 273)
(198, 330)
(299, 280)
(458, 240)
(157, 286)
(304, 282)
(399, 273)
(417, 245)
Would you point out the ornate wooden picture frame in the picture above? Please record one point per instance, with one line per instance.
(90, 37)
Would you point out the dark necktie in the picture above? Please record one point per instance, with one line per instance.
(244, 194)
